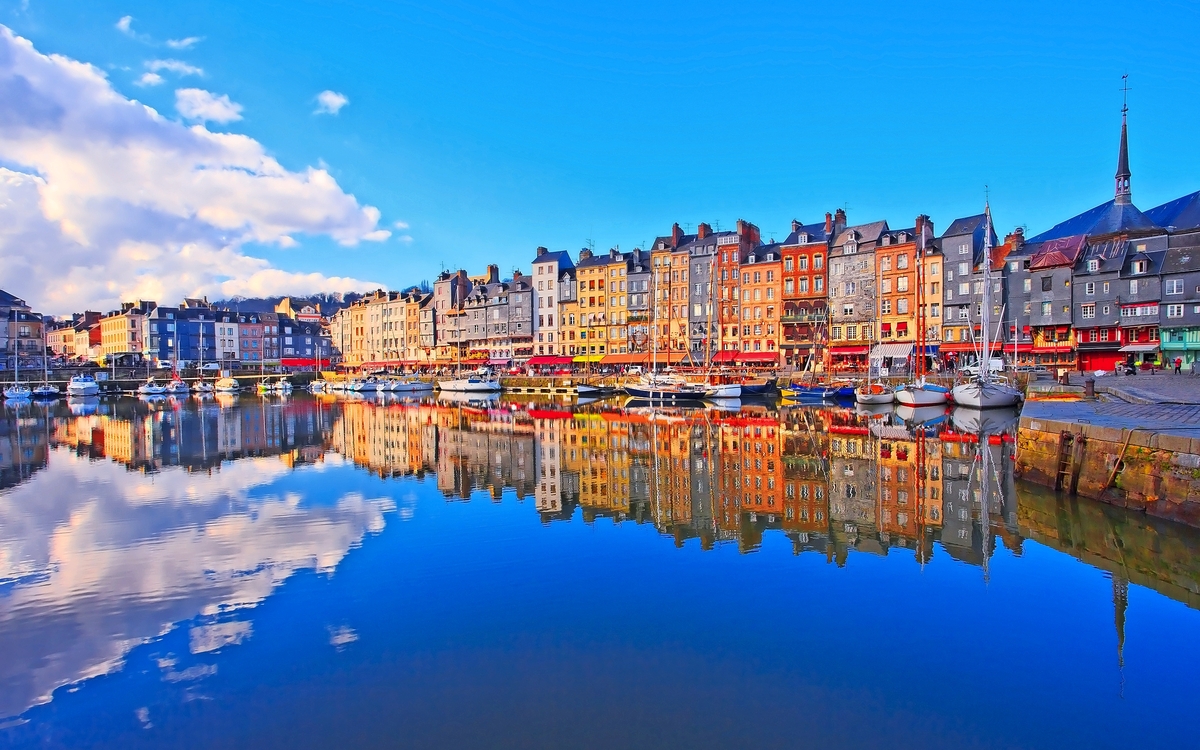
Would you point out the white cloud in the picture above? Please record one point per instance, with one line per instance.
(185, 43)
(330, 103)
(405, 238)
(178, 67)
(149, 79)
(400, 224)
(198, 104)
(102, 199)
(125, 25)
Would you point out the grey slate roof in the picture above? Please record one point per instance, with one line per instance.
(1107, 218)
(964, 226)
(1178, 215)
(1110, 254)
(1181, 260)
(815, 232)
(862, 232)
(562, 256)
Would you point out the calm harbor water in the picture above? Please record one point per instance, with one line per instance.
(313, 572)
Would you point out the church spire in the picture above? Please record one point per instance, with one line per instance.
(1123, 195)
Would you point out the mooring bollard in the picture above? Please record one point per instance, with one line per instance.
(1089, 387)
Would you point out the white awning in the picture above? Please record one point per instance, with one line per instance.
(892, 350)
(1139, 348)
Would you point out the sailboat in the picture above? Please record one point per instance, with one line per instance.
(918, 392)
(654, 386)
(986, 390)
(17, 390)
(716, 390)
(45, 391)
(872, 393)
(201, 385)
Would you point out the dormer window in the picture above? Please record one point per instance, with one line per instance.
(1139, 266)
(850, 248)
(802, 238)
(1093, 265)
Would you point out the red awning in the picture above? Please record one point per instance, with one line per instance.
(726, 356)
(543, 360)
(758, 358)
(844, 350)
(303, 362)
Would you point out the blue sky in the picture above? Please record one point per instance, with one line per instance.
(490, 129)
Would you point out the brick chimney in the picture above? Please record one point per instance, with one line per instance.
(795, 225)
(676, 235)
(1015, 239)
(839, 220)
(542, 251)
(828, 223)
(584, 254)
(493, 273)
(703, 231)
(748, 232)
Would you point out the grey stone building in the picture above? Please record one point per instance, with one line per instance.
(1096, 295)
(520, 316)
(1140, 296)
(638, 273)
(852, 292)
(703, 324)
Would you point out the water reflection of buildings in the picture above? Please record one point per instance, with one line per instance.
(831, 481)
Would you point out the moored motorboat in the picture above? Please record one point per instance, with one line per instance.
(177, 388)
(83, 385)
(46, 392)
(202, 386)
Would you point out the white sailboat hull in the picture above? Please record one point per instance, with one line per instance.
(470, 385)
(18, 391)
(911, 395)
(873, 399)
(724, 391)
(414, 386)
(986, 395)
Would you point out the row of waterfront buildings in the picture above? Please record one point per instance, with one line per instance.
(1111, 284)
(193, 332)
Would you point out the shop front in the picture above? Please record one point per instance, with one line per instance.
(848, 358)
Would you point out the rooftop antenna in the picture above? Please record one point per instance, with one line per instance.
(717, 224)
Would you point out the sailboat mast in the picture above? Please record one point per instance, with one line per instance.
(985, 317)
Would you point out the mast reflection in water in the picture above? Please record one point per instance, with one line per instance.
(155, 554)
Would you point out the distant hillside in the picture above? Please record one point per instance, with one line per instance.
(330, 302)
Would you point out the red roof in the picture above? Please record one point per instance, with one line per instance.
(1060, 252)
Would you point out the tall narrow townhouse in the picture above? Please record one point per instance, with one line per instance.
(596, 305)
(732, 250)
(962, 249)
(450, 289)
(550, 271)
(250, 336)
(411, 335)
(521, 317)
(1051, 267)
(669, 341)
(853, 296)
(617, 271)
(485, 317)
(1142, 290)
(638, 303)
(703, 322)
(1096, 305)
(899, 267)
(805, 299)
(762, 303)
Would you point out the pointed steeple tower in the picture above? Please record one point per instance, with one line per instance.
(1123, 195)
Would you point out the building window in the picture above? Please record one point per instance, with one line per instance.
(1174, 311)
(1047, 283)
(1139, 266)
(1104, 334)
(1174, 286)
(1089, 311)
(1089, 288)
(1045, 308)
(1133, 286)
(1093, 265)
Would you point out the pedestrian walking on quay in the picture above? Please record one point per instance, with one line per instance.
(1178, 365)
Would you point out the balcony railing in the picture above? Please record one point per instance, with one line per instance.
(808, 318)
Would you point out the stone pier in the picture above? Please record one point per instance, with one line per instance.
(1143, 456)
